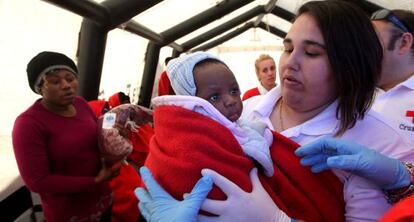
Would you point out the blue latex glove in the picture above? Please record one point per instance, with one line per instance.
(329, 153)
(157, 205)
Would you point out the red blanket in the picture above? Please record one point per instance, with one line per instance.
(124, 206)
(186, 142)
(401, 212)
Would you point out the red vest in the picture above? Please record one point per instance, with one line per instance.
(250, 93)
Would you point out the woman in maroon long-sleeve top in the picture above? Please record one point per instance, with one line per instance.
(55, 145)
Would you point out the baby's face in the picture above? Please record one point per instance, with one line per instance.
(217, 84)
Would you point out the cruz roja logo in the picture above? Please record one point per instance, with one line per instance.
(410, 113)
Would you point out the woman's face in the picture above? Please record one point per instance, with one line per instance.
(59, 87)
(267, 73)
(306, 78)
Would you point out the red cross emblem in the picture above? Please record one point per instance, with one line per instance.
(410, 113)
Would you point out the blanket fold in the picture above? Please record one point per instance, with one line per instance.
(186, 142)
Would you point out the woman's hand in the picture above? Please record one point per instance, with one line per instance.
(329, 153)
(157, 205)
(108, 172)
(241, 206)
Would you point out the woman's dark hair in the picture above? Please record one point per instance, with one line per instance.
(354, 53)
(123, 98)
(407, 17)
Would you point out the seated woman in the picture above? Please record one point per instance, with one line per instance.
(328, 80)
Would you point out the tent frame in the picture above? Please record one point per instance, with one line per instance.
(100, 18)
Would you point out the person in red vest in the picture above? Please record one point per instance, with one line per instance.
(266, 74)
(118, 99)
(99, 106)
(164, 84)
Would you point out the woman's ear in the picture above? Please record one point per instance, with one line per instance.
(406, 42)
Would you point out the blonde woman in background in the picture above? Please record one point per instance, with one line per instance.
(266, 74)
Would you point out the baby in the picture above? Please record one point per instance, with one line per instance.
(204, 84)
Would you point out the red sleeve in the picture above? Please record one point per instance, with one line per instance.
(250, 93)
(164, 85)
(140, 141)
(32, 161)
(125, 204)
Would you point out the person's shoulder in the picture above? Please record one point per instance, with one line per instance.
(388, 124)
(251, 93)
(32, 110)
(377, 128)
(409, 83)
(252, 101)
(24, 116)
(33, 114)
(374, 117)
